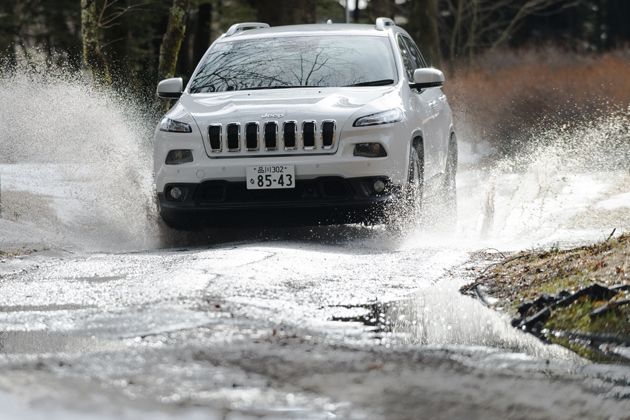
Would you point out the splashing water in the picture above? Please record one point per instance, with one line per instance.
(568, 185)
(75, 162)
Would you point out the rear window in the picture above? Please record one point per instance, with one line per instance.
(308, 61)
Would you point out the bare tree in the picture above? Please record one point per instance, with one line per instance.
(423, 27)
(471, 24)
(91, 22)
(528, 8)
(280, 12)
(380, 8)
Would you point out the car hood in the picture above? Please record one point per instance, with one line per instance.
(281, 104)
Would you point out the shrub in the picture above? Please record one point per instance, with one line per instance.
(508, 96)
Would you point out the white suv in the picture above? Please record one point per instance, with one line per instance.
(307, 124)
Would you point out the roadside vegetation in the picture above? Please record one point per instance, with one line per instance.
(578, 298)
(509, 97)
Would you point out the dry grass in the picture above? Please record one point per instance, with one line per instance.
(528, 276)
(506, 95)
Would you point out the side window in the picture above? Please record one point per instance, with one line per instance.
(407, 59)
(415, 53)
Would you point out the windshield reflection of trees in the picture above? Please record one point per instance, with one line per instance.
(287, 63)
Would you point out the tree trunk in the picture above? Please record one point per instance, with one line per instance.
(273, 12)
(92, 53)
(172, 40)
(472, 38)
(281, 12)
(303, 11)
(455, 35)
(379, 8)
(423, 28)
(600, 33)
(203, 35)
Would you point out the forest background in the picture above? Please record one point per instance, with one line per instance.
(511, 64)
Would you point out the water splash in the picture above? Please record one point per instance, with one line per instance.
(565, 186)
(74, 161)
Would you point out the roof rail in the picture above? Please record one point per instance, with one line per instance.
(238, 27)
(382, 23)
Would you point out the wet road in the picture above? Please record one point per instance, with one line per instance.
(343, 322)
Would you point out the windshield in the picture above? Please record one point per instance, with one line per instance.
(306, 61)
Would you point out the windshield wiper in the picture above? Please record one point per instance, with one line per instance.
(279, 87)
(382, 82)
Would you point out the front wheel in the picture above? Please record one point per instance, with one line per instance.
(407, 210)
(450, 179)
(415, 190)
(439, 213)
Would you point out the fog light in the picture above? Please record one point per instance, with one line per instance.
(379, 186)
(176, 193)
(177, 157)
(369, 150)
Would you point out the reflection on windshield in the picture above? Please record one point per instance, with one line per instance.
(296, 62)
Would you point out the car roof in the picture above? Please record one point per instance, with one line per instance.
(317, 29)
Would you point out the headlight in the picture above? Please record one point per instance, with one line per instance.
(174, 126)
(385, 117)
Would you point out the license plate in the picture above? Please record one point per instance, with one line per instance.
(270, 177)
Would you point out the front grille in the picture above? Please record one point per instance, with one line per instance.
(251, 136)
(234, 137)
(290, 135)
(308, 134)
(328, 134)
(214, 134)
(271, 136)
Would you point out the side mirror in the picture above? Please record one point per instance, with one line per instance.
(427, 78)
(170, 88)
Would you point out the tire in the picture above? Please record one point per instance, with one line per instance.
(414, 194)
(416, 177)
(406, 211)
(449, 188)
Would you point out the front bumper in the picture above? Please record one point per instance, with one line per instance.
(323, 200)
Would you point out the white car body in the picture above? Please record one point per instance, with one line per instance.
(425, 115)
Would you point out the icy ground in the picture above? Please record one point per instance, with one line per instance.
(112, 319)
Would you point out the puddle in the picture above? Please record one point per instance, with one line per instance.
(441, 317)
(382, 317)
(38, 342)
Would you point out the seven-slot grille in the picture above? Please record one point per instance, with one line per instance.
(251, 135)
(290, 134)
(234, 137)
(328, 133)
(308, 135)
(214, 135)
(271, 136)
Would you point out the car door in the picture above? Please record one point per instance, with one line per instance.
(439, 104)
(427, 104)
